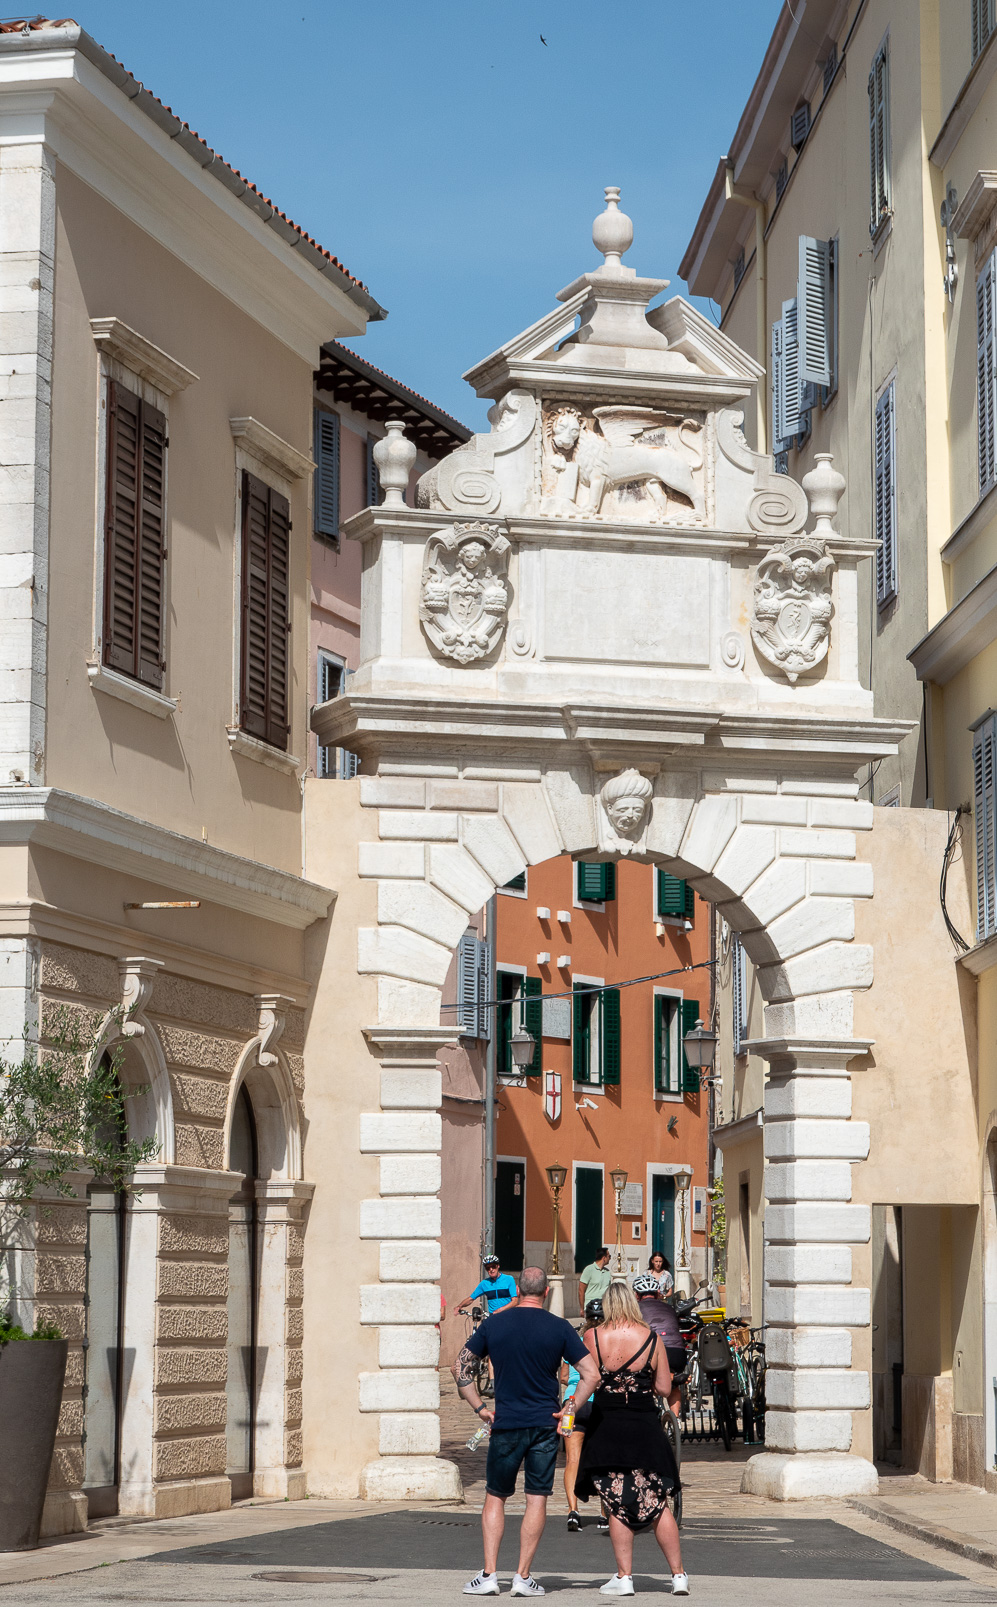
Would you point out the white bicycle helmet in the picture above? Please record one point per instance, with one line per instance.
(646, 1283)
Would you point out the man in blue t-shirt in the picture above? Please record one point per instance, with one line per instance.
(496, 1288)
(526, 1345)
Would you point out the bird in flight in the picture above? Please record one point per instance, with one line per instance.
(542, 40)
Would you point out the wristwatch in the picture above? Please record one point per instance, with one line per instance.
(479, 1409)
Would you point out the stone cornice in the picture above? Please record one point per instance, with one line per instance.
(960, 634)
(736, 1132)
(970, 94)
(273, 453)
(821, 1057)
(410, 1043)
(86, 829)
(140, 356)
(377, 722)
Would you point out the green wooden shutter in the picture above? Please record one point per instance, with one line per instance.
(609, 882)
(591, 881)
(517, 884)
(690, 903)
(609, 1003)
(580, 1035)
(672, 894)
(690, 1074)
(533, 1021)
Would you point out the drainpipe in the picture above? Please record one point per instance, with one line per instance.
(491, 1047)
(761, 304)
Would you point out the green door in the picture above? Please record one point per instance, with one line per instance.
(588, 1214)
(663, 1217)
(510, 1219)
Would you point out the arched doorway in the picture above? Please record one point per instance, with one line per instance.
(243, 1377)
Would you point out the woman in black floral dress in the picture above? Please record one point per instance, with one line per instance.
(627, 1460)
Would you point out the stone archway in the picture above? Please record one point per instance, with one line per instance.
(610, 600)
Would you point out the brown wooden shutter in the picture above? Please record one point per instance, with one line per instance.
(265, 611)
(134, 548)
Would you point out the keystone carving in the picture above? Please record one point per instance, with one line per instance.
(626, 806)
(791, 615)
(273, 1008)
(464, 599)
(138, 978)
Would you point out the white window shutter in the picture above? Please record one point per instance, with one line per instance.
(485, 1015)
(739, 967)
(778, 387)
(886, 497)
(986, 379)
(791, 371)
(984, 743)
(814, 310)
(467, 986)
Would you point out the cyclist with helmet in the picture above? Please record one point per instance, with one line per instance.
(496, 1288)
(662, 1319)
(573, 1442)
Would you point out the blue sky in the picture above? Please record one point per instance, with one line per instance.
(450, 159)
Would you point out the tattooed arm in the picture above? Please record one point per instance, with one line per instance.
(465, 1369)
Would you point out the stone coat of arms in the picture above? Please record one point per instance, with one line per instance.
(791, 615)
(464, 595)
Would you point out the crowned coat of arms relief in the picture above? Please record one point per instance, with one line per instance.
(464, 595)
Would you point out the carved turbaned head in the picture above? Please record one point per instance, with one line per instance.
(625, 799)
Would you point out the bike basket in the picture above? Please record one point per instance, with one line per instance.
(714, 1350)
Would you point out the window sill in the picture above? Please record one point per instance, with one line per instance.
(667, 1099)
(588, 1088)
(882, 234)
(114, 684)
(247, 747)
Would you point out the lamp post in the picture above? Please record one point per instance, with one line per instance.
(556, 1176)
(619, 1177)
(683, 1272)
(700, 1046)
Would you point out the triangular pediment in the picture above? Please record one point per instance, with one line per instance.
(697, 338)
(538, 342)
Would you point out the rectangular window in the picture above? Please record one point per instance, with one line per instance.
(595, 1043)
(799, 125)
(596, 883)
(830, 67)
(519, 1005)
(983, 23)
(326, 452)
(739, 991)
(517, 884)
(985, 806)
(338, 763)
(880, 195)
(473, 976)
(781, 180)
(986, 371)
(690, 1074)
(135, 537)
(373, 475)
(674, 897)
(266, 620)
(886, 497)
(667, 1062)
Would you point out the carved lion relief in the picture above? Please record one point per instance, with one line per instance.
(464, 596)
(791, 613)
(625, 462)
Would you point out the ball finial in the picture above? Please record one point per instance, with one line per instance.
(612, 232)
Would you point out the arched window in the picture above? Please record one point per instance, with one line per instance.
(244, 1360)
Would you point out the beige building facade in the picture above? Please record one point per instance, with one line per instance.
(162, 323)
(862, 160)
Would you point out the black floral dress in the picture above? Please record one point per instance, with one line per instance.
(626, 1459)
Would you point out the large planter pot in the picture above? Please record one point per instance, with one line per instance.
(31, 1376)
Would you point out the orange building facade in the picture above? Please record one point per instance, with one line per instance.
(608, 1085)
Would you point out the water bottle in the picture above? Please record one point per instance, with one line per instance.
(479, 1434)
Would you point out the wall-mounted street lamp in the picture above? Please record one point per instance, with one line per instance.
(522, 1045)
(700, 1047)
(619, 1178)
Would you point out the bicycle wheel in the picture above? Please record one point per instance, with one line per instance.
(673, 1433)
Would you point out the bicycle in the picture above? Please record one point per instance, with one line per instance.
(673, 1433)
(482, 1377)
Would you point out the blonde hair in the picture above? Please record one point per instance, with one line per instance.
(619, 1307)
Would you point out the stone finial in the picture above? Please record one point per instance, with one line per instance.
(394, 455)
(824, 487)
(612, 232)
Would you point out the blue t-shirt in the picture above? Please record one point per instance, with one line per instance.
(526, 1345)
(497, 1291)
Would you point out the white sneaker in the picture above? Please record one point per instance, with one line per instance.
(617, 1586)
(482, 1585)
(526, 1587)
(680, 1584)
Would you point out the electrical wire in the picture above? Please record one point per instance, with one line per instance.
(954, 835)
(597, 987)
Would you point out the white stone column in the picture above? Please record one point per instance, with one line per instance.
(405, 1305)
(279, 1474)
(811, 1303)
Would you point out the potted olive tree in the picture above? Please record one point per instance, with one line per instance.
(62, 1113)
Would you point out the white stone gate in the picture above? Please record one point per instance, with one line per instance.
(603, 631)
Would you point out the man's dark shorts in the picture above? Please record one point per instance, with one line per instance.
(509, 1448)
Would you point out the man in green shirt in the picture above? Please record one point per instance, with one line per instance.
(595, 1279)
